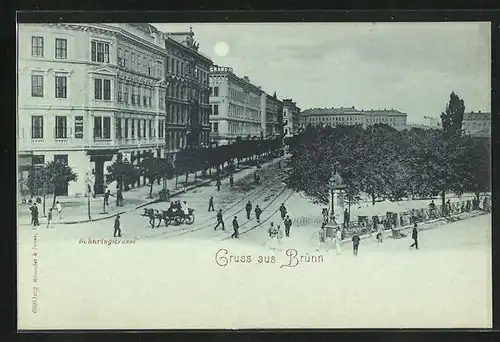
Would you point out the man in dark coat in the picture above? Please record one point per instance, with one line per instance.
(283, 211)
(231, 181)
(346, 218)
(220, 221)
(355, 244)
(119, 197)
(414, 236)
(218, 184)
(117, 227)
(248, 208)
(236, 226)
(211, 204)
(106, 197)
(258, 211)
(288, 224)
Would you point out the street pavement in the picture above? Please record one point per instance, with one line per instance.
(75, 210)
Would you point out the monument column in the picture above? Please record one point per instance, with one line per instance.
(337, 186)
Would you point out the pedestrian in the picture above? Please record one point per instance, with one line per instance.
(288, 224)
(321, 236)
(220, 221)
(432, 207)
(279, 235)
(485, 203)
(95, 191)
(231, 181)
(414, 236)
(248, 208)
(346, 218)
(283, 211)
(236, 226)
(49, 219)
(117, 227)
(338, 240)
(59, 210)
(355, 244)
(258, 211)
(32, 211)
(36, 213)
(211, 204)
(218, 184)
(119, 197)
(107, 194)
(380, 233)
(272, 230)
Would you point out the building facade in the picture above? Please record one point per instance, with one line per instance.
(477, 124)
(188, 108)
(353, 116)
(291, 117)
(236, 106)
(91, 93)
(274, 116)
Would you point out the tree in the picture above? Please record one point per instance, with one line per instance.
(151, 167)
(58, 175)
(453, 117)
(123, 172)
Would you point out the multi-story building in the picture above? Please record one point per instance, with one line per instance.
(89, 93)
(274, 116)
(236, 106)
(187, 71)
(477, 123)
(353, 116)
(291, 117)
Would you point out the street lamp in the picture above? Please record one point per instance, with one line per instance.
(89, 182)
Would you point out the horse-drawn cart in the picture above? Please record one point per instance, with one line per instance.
(174, 216)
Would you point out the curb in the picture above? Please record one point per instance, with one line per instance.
(172, 194)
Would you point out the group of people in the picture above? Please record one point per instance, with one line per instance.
(35, 214)
(178, 206)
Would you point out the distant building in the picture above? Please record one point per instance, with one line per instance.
(291, 117)
(477, 124)
(353, 116)
(236, 106)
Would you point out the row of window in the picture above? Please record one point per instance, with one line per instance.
(179, 67)
(137, 95)
(243, 129)
(144, 64)
(177, 139)
(102, 127)
(240, 112)
(61, 86)
(60, 52)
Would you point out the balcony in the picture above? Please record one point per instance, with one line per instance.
(98, 142)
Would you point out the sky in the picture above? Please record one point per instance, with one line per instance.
(411, 67)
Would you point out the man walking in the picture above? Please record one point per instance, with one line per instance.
(355, 244)
(283, 211)
(218, 184)
(288, 224)
(117, 227)
(106, 197)
(248, 208)
(414, 236)
(35, 214)
(258, 211)
(231, 181)
(236, 226)
(211, 204)
(219, 220)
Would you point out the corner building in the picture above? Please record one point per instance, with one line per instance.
(90, 93)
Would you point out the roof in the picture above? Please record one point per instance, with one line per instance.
(471, 116)
(330, 111)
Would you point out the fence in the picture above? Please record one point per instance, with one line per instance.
(389, 220)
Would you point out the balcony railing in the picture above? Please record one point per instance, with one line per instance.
(103, 142)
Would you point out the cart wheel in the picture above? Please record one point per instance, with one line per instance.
(178, 220)
(190, 219)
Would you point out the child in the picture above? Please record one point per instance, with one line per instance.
(49, 219)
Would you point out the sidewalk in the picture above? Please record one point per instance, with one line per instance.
(75, 210)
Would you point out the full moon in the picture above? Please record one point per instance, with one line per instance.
(221, 49)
